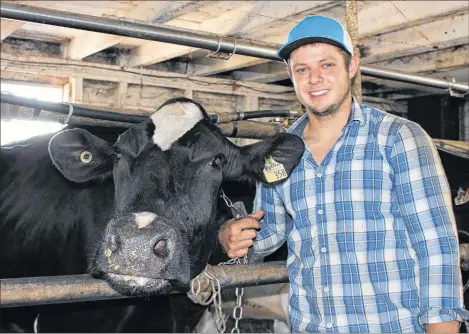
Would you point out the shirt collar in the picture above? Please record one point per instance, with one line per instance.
(357, 113)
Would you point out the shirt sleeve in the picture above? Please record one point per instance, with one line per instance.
(424, 200)
(272, 233)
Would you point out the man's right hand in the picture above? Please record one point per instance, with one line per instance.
(236, 236)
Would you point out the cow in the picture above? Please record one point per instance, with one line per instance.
(140, 213)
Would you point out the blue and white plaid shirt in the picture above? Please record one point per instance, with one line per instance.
(371, 237)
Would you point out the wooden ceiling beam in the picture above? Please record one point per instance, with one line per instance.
(8, 27)
(89, 43)
(234, 23)
(384, 20)
(427, 62)
(113, 73)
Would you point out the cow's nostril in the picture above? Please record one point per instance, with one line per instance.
(160, 248)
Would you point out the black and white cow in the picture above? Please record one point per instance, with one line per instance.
(140, 213)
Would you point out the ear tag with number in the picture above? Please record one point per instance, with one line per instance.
(274, 171)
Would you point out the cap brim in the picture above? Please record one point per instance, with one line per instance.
(285, 51)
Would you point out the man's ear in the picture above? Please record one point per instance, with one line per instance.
(353, 67)
(81, 156)
(271, 161)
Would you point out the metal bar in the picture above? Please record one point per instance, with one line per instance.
(250, 129)
(30, 291)
(189, 38)
(382, 73)
(64, 109)
(133, 29)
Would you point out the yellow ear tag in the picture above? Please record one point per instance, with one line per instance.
(274, 171)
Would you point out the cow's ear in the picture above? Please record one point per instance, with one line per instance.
(81, 156)
(272, 160)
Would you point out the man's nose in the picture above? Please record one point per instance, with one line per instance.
(315, 76)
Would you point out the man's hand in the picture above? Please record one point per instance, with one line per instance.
(443, 327)
(236, 236)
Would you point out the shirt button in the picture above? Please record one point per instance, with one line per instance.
(320, 211)
(329, 325)
(323, 249)
(318, 288)
(319, 174)
(326, 289)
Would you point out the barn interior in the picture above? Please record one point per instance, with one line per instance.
(135, 75)
(427, 40)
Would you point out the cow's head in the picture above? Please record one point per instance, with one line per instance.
(167, 174)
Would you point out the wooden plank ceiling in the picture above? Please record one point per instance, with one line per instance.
(425, 37)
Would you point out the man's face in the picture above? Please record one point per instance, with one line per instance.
(320, 76)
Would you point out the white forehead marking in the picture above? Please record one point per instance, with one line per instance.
(173, 121)
(143, 219)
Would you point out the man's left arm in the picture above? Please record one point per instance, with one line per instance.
(424, 201)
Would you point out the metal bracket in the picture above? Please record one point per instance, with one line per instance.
(452, 92)
(221, 55)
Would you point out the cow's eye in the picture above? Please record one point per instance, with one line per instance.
(218, 160)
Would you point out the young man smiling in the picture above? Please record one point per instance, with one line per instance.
(366, 214)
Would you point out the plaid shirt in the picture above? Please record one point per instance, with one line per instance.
(371, 235)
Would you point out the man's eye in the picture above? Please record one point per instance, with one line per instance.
(301, 70)
(328, 65)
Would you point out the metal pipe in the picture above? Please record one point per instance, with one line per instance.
(30, 291)
(64, 109)
(189, 38)
(250, 129)
(243, 115)
(382, 73)
(136, 30)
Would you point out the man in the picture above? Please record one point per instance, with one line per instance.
(367, 213)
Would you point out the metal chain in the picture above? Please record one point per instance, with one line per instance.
(238, 309)
(215, 297)
(205, 299)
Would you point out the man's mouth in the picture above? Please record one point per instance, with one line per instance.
(319, 92)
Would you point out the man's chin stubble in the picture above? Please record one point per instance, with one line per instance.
(323, 114)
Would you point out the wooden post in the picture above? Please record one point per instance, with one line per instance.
(77, 89)
(120, 95)
(66, 92)
(351, 19)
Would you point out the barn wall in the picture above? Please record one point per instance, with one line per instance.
(219, 103)
(99, 93)
(438, 115)
(142, 97)
(139, 96)
(271, 104)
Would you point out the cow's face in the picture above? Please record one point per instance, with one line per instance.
(167, 175)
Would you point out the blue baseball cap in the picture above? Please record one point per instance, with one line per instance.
(316, 29)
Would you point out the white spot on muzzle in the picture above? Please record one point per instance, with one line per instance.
(173, 121)
(143, 219)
